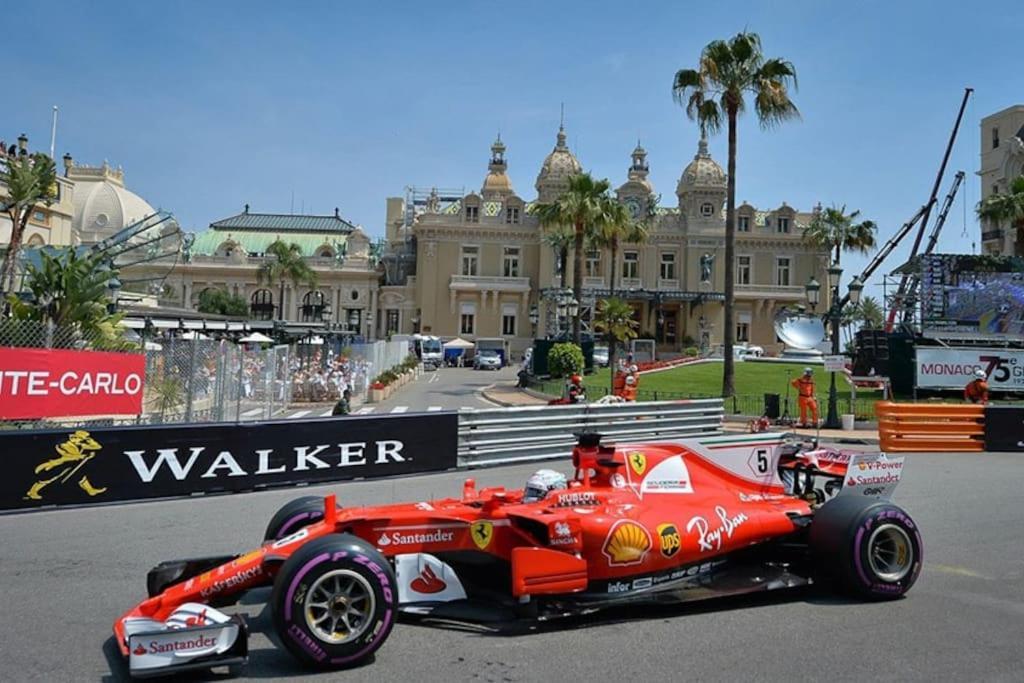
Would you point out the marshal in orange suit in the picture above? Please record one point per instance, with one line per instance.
(804, 386)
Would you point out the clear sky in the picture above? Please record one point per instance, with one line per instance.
(211, 105)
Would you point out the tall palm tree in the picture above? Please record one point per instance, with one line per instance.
(615, 318)
(31, 180)
(729, 71)
(839, 231)
(1007, 207)
(617, 227)
(288, 264)
(559, 238)
(582, 206)
(871, 315)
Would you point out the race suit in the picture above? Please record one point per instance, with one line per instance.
(805, 398)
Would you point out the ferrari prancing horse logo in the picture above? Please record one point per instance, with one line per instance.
(637, 461)
(482, 533)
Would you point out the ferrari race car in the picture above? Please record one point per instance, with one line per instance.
(669, 521)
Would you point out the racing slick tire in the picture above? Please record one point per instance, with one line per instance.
(870, 546)
(294, 515)
(334, 602)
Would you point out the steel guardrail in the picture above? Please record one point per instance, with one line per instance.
(509, 435)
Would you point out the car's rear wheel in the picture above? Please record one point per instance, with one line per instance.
(334, 602)
(871, 547)
(294, 515)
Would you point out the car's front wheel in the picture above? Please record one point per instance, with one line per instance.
(872, 547)
(294, 515)
(334, 602)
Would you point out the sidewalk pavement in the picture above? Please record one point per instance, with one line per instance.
(509, 395)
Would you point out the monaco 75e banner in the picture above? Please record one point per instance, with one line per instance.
(953, 368)
(37, 383)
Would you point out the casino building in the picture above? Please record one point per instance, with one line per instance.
(478, 264)
(1002, 160)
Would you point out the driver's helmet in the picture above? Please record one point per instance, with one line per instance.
(541, 483)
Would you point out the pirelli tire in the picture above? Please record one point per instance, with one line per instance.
(294, 515)
(334, 602)
(871, 547)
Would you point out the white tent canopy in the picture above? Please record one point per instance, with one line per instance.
(256, 338)
(458, 343)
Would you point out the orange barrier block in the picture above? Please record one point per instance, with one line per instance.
(951, 428)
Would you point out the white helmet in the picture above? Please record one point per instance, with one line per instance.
(630, 379)
(980, 374)
(634, 369)
(541, 483)
(808, 371)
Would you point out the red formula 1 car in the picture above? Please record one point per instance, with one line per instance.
(669, 521)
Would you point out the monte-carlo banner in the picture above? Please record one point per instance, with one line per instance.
(48, 383)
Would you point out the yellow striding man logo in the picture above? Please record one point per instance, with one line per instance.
(72, 456)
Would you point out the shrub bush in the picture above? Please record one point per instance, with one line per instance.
(565, 359)
(691, 351)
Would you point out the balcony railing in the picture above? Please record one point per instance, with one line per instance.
(477, 283)
(996, 234)
(794, 291)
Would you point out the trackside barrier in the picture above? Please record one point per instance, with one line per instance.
(930, 427)
(508, 435)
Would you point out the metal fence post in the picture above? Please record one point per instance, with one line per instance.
(191, 380)
(239, 390)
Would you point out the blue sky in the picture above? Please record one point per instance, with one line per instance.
(211, 105)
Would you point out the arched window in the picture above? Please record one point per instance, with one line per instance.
(35, 241)
(226, 248)
(262, 304)
(313, 306)
(325, 252)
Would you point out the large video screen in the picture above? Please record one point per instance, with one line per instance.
(977, 294)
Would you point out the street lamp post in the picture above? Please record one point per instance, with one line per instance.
(835, 313)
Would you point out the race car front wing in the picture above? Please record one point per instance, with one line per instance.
(195, 636)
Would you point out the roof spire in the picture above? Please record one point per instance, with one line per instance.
(702, 146)
(561, 116)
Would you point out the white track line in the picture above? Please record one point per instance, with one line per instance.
(399, 409)
(435, 409)
(253, 413)
(365, 411)
(301, 413)
(328, 413)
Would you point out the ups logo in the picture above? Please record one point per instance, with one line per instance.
(72, 456)
(669, 539)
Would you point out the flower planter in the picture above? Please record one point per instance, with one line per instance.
(376, 395)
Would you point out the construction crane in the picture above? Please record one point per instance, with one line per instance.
(910, 298)
(898, 304)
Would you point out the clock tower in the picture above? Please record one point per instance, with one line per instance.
(637, 192)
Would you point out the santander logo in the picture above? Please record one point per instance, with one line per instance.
(139, 650)
(427, 582)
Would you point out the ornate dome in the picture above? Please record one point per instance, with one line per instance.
(102, 204)
(556, 169)
(702, 173)
(497, 184)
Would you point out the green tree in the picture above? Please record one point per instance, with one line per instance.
(31, 181)
(871, 315)
(288, 264)
(839, 231)
(728, 72)
(565, 359)
(615, 319)
(584, 207)
(1006, 207)
(617, 227)
(221, 302)
(70, 290)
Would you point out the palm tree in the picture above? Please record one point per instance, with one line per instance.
(615, 319)
(839, 231)
(583, 206)
(727, 72)
(1000, 208)
(617, 227)
(288, 264)
(559, 237)
(31, 180)
(871, 316)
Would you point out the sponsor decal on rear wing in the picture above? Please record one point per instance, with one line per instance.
(872, 474)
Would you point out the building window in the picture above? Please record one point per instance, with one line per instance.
(467, 323)
(668, 266)
(472, 214)
(743, 267)
(391, 321)
(743, 327)
(782, 271)
(743, 224)
(39, 216)
(470, 258)
(508, 320)
(995, 137)
(261, 304)
(783, 224)
(593, 263)
(707, 209)
(511, 262)
(630, 265)
(512, 214)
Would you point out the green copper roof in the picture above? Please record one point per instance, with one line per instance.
(256, 242)
(274, 222)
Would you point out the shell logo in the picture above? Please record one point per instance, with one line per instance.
(627, 543)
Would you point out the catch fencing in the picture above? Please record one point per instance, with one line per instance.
(506, 435)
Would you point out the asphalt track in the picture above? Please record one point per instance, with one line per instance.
(68, 574)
